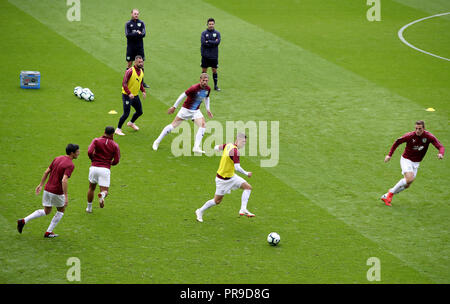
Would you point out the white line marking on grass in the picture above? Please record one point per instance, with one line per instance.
(400, 35)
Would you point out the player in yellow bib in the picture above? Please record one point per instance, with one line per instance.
(131, 85)
(227, 180)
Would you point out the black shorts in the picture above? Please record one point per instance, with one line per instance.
(128, 103)
(209, 63)
(133, 51)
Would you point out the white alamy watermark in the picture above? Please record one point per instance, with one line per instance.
(74, 272)
(374, 12)
(262, 139)
(74, 11)
(374, 272)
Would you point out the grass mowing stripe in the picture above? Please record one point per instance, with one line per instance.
(393, 113)
(432, 7)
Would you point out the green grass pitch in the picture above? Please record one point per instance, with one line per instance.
(341, 87)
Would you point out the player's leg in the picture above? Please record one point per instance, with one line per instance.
(166, 130)
(55, 220)
(48, 210)
(137, 105)
(102, 195)
(215, 77)
(90, 196)
(93, 181)
(211, 203)
(200, 122)
(409, 178)
(130, 56)
(103, 183)
(401, 185)
(46, 203)
(204, 65)
(244, 199)
(126, 112)
(409, 171)
(32, 216)
(58, 202)
(222, 187)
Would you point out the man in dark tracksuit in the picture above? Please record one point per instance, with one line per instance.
(210, 40)
(135, 32)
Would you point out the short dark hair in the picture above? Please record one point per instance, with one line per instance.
(241, 136)
(210, 19)
(421, 122)
(72, 148)
(109, 130)
(138, 57)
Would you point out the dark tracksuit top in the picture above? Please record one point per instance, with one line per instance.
(209, 45)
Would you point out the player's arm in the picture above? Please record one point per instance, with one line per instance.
(43, 179)
(91, 150)
(234, 155)
(438, 146)
(130, 33)
(65, 182)
(203, 40)
(127, 77)
(218, 38)
(177, 102)
(144, 93)
(116, 158)
(143, 30)
(215, 42)
(208, 110)
(239, 169)
(399, 141)
(219, 147)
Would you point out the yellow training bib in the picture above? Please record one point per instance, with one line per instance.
(226, 166)
(134, 83)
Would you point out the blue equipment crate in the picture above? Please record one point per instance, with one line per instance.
(30, 80)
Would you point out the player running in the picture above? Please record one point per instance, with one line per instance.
(190, 110)
(104, 152)
(131, 85)
(226, 180)
(417, 143)
(55, 191)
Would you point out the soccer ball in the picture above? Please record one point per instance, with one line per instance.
(77, 91)
(87, 95)
(273, 238)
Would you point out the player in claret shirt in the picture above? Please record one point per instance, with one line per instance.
(190, 111)
(417, 143)
(55, 191)
(104, 152)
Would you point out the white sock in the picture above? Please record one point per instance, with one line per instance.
(244, 199)
(35, 214)
(208, 205)
(399, 187)
(167, 129)
(89, 205)
(103, 194)
(55, 221)
(199, 136)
